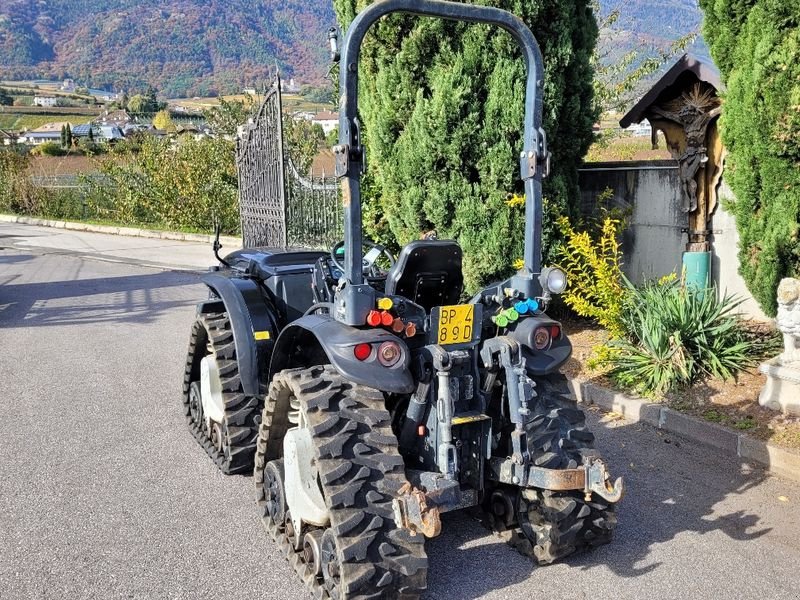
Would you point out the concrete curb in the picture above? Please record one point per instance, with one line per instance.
(227, 241)
(780, 461)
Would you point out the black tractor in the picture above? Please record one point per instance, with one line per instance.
(369, 397)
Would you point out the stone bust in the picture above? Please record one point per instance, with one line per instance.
(788, 319)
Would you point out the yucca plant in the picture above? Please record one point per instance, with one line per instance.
(675, 335)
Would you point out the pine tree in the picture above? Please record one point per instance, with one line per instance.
(442, 110)
(756, 44)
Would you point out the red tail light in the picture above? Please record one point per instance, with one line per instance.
(362, 351)
(555, 331)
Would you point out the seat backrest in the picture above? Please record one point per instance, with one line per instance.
(428, 272)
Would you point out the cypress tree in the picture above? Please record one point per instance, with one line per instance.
(442, 109)
(63, 136)
(756, 44)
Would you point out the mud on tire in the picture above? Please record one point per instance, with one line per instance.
(360, 472)
(212, 334)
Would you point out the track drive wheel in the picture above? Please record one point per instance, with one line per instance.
(361, 553)
(552, 525)
(231, 440)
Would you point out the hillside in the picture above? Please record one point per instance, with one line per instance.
(201, 47)
(192, 47)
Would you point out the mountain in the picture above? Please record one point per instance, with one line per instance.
(182, 47)
(200, 47)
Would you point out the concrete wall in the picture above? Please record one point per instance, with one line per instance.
(724, 261)
(654, 243)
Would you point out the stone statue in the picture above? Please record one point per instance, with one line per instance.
(788, 319)
(782, 389)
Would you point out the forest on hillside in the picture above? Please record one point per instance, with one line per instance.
(205, 47)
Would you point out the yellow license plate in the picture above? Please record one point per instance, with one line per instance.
(456, 324)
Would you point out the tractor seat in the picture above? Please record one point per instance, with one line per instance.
(428, 272)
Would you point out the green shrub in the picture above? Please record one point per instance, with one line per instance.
(593, 265)
(675, 336)
(49, 149)
(756, 44)
(186, 185)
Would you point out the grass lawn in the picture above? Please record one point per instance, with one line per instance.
(20, 121)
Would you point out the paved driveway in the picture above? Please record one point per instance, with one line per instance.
(104, 493)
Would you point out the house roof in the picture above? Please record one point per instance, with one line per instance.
(687, 66)
(50, 127)
(326, 115)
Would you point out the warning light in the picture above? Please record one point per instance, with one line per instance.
(386, 319)
(385, 303)
(373, 318)
(362, 351)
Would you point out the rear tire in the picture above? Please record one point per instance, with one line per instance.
(359, 472)
(553, 525)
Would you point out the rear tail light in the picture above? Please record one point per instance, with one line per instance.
(541, 338)
(389, 353)
(362, 351)
(555, 331)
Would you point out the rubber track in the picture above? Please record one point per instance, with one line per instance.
(242, 412)
(360, 471)
(553, 525)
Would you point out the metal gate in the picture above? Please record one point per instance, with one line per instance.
(279, 207)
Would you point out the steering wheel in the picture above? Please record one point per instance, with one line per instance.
(370, 259)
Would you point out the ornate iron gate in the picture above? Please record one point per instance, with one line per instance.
(278, 207)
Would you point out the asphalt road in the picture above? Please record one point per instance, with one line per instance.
(105, 494)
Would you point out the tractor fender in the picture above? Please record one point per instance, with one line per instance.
(254, 326)
(319, 339)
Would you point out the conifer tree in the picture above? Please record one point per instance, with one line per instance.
(442, 110)
(756, 44)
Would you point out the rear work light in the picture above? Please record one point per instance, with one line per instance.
(541, 338)
(389, 353)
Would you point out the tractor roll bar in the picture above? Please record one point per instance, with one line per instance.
(350, 153)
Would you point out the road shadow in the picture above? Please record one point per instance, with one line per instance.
(693, 490)
(131, 299)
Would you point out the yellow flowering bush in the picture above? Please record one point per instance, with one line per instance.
(594, 272)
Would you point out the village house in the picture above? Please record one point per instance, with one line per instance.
(48, 101)
(100, 133)
(119, 118)
(49, 132)
(68, 85)
(327, 120)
